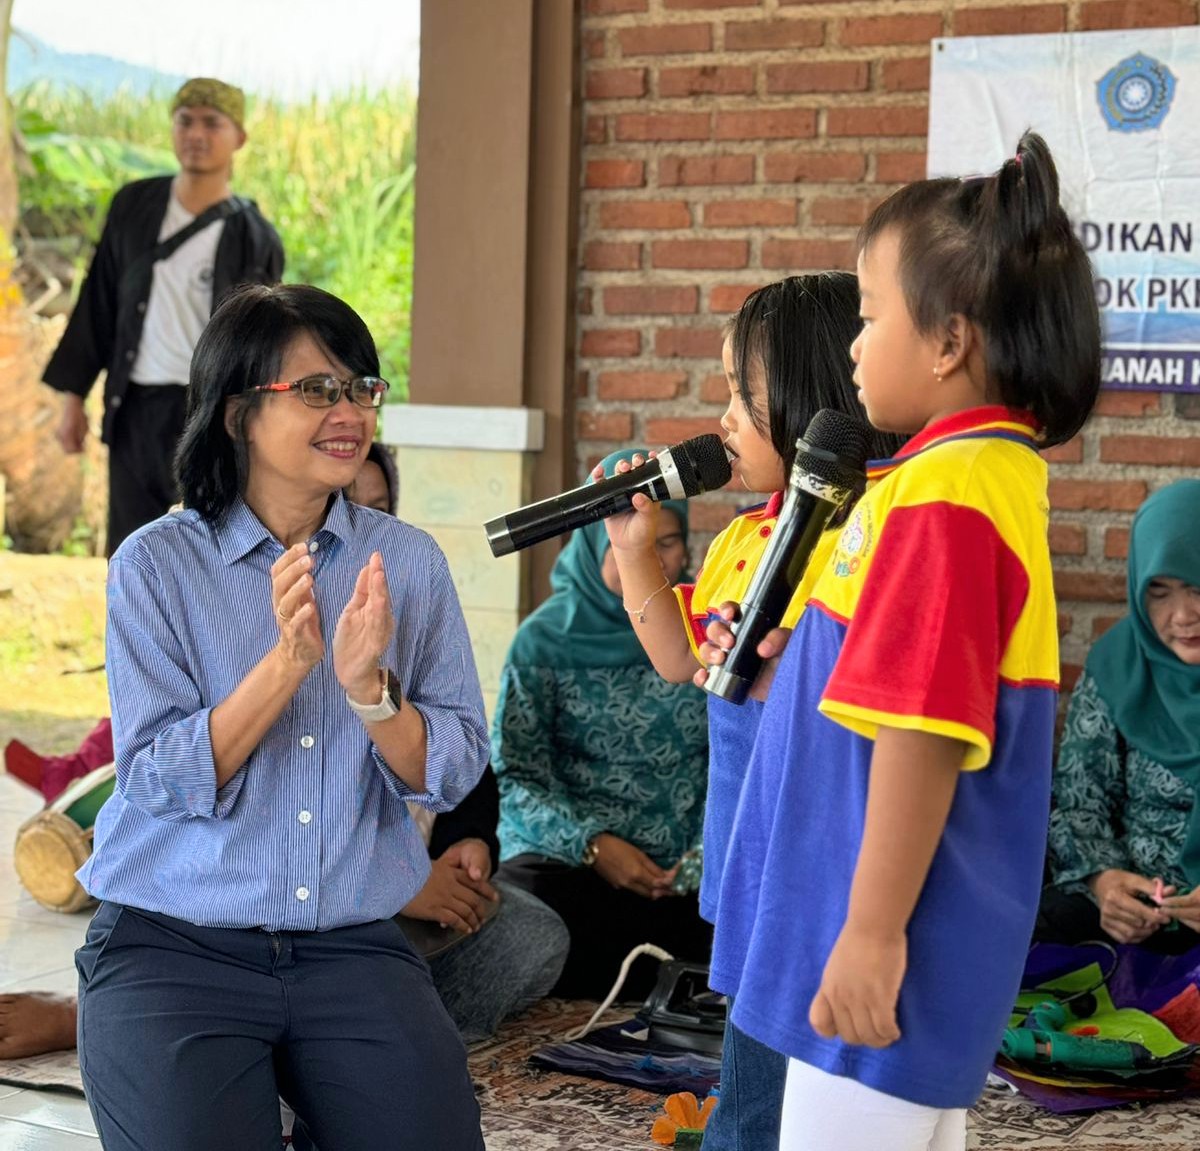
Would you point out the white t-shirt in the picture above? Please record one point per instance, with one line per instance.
(180, 301)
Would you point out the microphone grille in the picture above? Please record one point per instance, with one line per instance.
(703, 464)
(834, 448)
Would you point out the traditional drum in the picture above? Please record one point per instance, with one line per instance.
(54, 844)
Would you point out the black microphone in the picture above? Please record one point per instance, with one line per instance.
(828, 473)
(694, 466)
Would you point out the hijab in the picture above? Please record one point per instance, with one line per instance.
(583, 624)
(1154, 697)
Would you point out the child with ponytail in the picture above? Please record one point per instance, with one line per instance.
(886, 859)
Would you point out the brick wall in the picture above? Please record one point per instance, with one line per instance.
(728, 143)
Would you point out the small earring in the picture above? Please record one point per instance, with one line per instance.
(937, 374)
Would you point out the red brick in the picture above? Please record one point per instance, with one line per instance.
(1068, 674)
(880, 121)
(1010, 21)
(708, 79)
(616, 83)
(899, 167)
(676, 4)
(615, 174)
(635, 126)
(1101, 14)
(1101, 624)
(593, 45)
(710, 515)
(599, 256)
(595, 130)
(906, 74)
(604, 425)
(581, 387)
(1093, 587)
(640, 385)
(673, 429)
(1097, 495)
(692, 170)
(824, 76)
(810, 255)
(1069, 453)
(600, 343)
(688, 343)
(614, 7)
(1064, 623)
(1116, 543)
(749, 213)
(645, 214)
(767, 124)
(910, 28)
(651, 300)
(583, 303)
(750, 35)
(700, 253)
(1177, 451)
(1068, 539)
(1130, 404)
(714, 389)
(665, 39)
(842, 211)
(820, 167)
(729, 297)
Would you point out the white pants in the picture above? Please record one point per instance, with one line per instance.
(823, 1112)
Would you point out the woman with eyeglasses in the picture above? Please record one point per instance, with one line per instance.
(286, 670)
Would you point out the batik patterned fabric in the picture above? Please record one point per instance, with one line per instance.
(935, 613)
(1114, 807)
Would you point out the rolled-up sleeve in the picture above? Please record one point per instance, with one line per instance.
(164, 756)
(443, 686)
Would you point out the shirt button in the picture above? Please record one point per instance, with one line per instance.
(314, 546)
(305, 817)
(741, 565)
(764, 532)
(306, 741)
(115, 402)
(129, 355)
(302, 893)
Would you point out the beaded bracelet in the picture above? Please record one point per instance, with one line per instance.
(640, 612)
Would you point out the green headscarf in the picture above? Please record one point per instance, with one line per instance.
(583, 624)
(1154, 697)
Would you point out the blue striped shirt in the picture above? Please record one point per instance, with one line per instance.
(313, 831)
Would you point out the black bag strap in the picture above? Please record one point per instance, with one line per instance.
(222, 210)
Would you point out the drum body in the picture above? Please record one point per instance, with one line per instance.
(55, 843)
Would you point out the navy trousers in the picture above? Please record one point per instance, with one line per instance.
(189, 1035)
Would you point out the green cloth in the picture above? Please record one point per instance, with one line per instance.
(1154, 697)
(583, 624)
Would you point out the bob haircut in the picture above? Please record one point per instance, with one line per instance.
(378, 454)
(1000, 251)
(800, 330)
(241, 348)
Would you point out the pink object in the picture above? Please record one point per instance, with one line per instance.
(1158, 891)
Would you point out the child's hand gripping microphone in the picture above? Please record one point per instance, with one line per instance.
(827, 474)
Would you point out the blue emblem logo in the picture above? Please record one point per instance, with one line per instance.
(1136, 94)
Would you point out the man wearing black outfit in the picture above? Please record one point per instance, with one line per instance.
(172, 247)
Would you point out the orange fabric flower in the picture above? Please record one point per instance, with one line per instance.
(683, 1113)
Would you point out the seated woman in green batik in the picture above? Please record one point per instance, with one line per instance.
(1125, 827)
(602, 768)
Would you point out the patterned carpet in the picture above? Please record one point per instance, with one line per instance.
(525, 1109)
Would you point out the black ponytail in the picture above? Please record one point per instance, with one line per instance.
(1000, 250)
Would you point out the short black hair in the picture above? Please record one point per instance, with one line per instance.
(1000, 251)
(243, 347)
(800, 330)
(378, 454)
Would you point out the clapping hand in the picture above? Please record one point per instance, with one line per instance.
(364, 630)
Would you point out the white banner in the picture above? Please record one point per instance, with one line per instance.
(1121, 113)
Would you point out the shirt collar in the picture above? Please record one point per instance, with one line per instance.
(240, 531)
(992, 421)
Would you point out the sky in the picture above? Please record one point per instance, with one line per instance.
(287, 48)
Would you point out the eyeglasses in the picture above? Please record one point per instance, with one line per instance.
(325, 391)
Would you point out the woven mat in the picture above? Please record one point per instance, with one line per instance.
(525, 1109)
